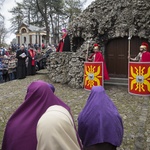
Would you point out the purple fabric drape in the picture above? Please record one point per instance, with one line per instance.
(99, 121)
(20, 132)
(52, 87)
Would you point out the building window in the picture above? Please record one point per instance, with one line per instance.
(24, 39)
(23, 30)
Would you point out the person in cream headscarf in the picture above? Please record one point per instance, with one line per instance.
(56, 131)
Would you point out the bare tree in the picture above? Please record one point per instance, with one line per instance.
(17, 17)
(32, 14)
(53, 14)
(49, 10)
(73, 8)
(3, 33)
(43, 9)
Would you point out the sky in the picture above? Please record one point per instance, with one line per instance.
(8, 5)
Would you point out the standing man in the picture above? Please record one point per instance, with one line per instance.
(143, 55)
(98, 57)
(64, 44)
(31, 61)
(21, 55)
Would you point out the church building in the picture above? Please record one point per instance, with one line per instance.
(29, 34)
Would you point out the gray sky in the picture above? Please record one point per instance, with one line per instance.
(8, 5)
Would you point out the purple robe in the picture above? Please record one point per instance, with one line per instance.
(20, 132)
(52, 87)
(99, 121)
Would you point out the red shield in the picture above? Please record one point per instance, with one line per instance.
(93, 74)
(139, 78)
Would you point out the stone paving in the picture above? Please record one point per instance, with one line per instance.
(135, 110)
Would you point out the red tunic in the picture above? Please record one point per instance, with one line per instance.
(145, 57)
(98, 57)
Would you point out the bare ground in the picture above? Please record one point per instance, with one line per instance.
(135, 110)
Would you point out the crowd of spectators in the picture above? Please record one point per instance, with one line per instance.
(8, 60)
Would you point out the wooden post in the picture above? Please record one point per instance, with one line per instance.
(129, 45)
(87, 52)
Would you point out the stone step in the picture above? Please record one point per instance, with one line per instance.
(117, 81)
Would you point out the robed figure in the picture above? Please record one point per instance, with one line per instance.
(31, 62)
(21, 55)
(20, 131)
(98, 57)
(64, 43)
(143, 55)
(100, 125)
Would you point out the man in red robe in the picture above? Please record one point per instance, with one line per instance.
(98, 57)
(143, 55)
(31, 70)
(64, 44)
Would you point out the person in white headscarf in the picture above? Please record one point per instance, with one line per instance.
(56, 130)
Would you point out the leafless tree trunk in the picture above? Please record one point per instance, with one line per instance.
(44, 14)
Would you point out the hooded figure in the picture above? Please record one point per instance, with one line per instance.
(20, 132)
(99, 123)
(55, 130)
(52, 87)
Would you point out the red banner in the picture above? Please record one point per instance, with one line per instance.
(93, 74)
(139, 78)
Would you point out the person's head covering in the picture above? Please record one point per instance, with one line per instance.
(64, 30)
(96, 46)
(20, 132)
(99, 121)
(144, 46)
(55, 130)
(52, 87)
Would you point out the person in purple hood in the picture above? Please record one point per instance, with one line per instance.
(100, 126)
(20, 132)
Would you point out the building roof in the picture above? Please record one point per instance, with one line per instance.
(31, 28)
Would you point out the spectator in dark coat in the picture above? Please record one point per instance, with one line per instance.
(21, 55)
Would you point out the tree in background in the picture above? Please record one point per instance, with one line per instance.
(73, 8)
(44, 7)
(17, 17)
(3, 31)
(53, 14)
(32, 14)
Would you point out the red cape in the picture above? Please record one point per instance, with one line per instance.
(145, 57)
(61, 44)
(97, 58)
